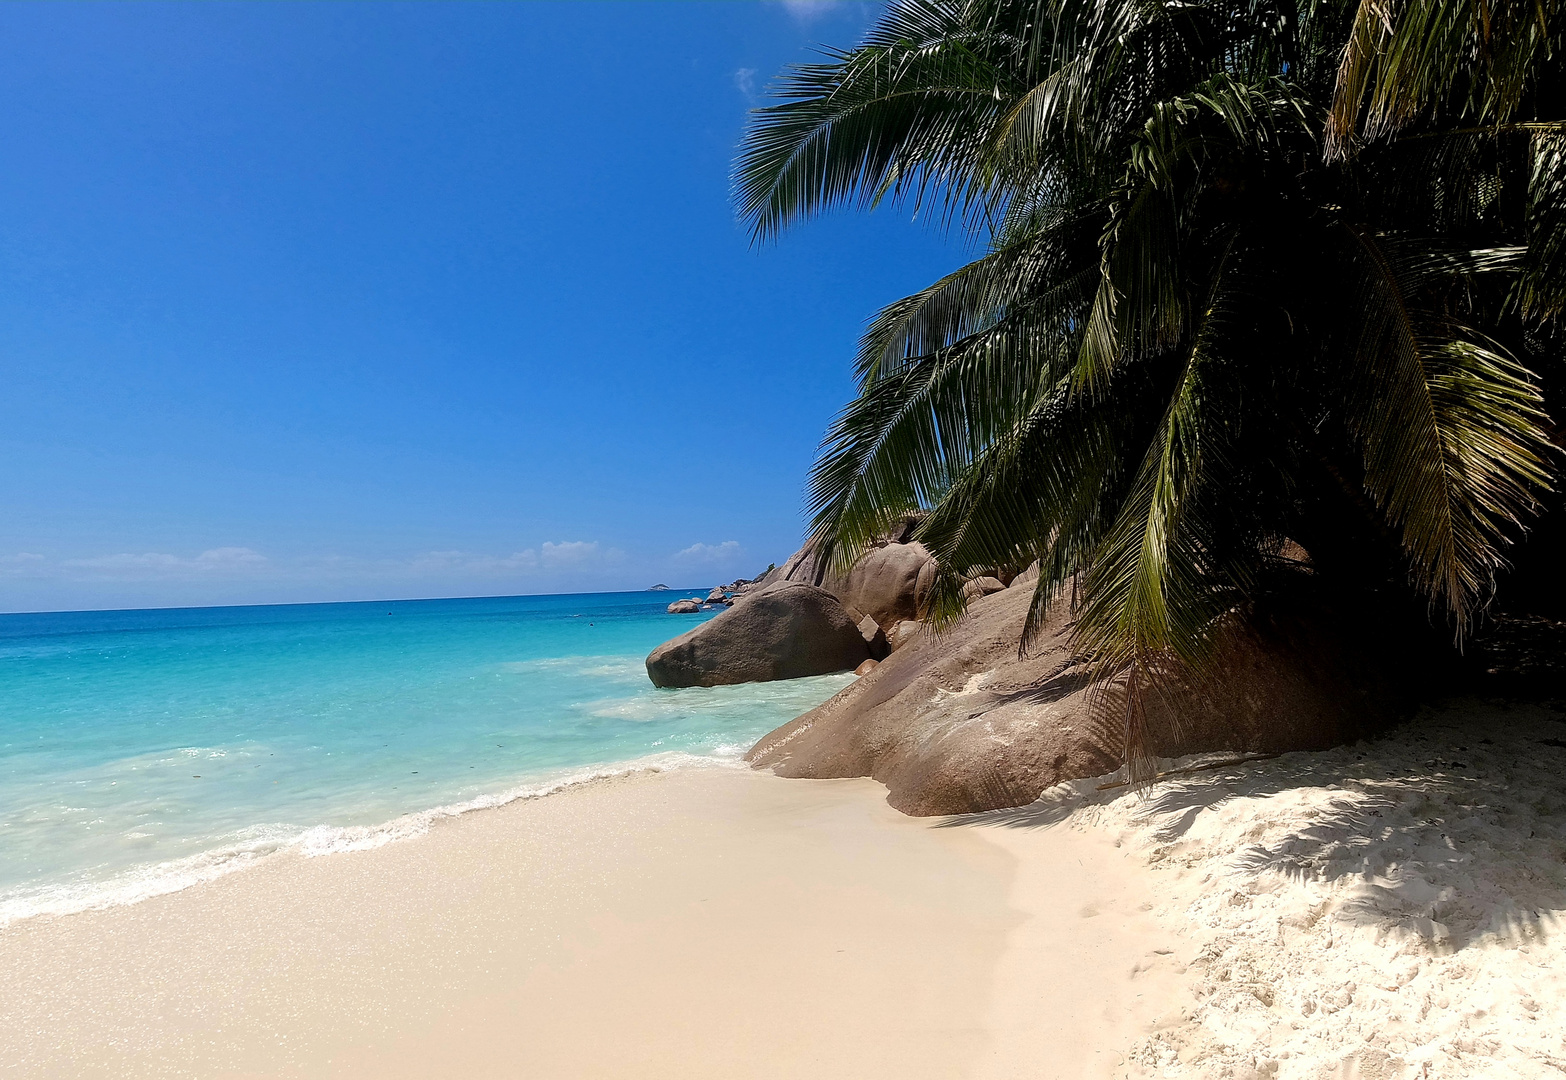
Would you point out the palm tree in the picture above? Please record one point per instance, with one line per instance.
(1192, 335)
(1479, 87)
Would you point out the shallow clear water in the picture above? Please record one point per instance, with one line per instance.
(144, 750)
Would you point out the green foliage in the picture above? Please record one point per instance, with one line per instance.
(1251, 273)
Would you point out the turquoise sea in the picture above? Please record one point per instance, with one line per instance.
(142, 751)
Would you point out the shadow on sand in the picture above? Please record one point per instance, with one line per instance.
(1451, 828)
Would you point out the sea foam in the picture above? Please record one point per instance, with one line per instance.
(144, 752)
(264, 841)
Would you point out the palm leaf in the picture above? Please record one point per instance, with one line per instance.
(1452, 430)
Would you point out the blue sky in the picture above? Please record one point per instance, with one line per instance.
(318, 302)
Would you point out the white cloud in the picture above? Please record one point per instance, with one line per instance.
(153, 564)
(130, 578)
(707, 554)
(745, 81)
(230, 556)
(569, 553)
(565, 555)
(548, 556)
(22, 564)
(808, 10)
(125, 561)
(464, 562)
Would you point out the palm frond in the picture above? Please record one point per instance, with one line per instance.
(1045, 273)
(1541, 289)
(1159, 580)
(899, 444)
(1451, 429)
(1406, 58)
(1199, 324)
(902, 114)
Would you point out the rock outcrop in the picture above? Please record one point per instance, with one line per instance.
(874, 637)
(980, 587)
(800, 566)
(903, 633)
(883, 583)
(785, 631)
(804, 565)
(717, 596)
(956, 722)
(684, 607)
(923, 586)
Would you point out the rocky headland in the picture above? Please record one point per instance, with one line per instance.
(962, 720)
(786, 631)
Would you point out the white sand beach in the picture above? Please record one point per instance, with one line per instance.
(698, 923)
(1386, 910)
(1103, 468)
(1390, 909)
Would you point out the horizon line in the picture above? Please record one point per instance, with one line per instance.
(321, 603)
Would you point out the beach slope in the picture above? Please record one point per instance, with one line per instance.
(700, 923)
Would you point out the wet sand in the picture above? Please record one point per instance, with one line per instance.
(692, 924)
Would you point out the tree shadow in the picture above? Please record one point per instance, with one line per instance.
(1065, 680)
(1443, 834)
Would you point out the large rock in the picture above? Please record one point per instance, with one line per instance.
(956, 722)
(883, 583)
(903, 633)
(785, 631)
(1029, 577)
(875, 638)
(716, 596)
(800, 566)
(684, 607)
(804, 566)
(980, 587)
(924, 586)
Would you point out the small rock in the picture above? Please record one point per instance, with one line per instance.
(867, 667)
(903, 633)
(874, 637)
(980, 587)
(684, 607)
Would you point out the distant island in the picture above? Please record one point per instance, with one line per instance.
(658, 588)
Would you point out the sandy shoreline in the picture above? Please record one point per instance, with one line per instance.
(1387, 910)
(1391, 909)
(686, 924)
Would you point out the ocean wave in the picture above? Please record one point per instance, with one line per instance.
(794, 696)
(625, 667)
(254, 845)
(331, 840)
(144, 882)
